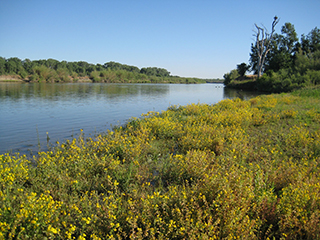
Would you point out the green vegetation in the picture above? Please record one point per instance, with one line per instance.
(289, 64)
(236, 169)
(111, 72)
(214, 80)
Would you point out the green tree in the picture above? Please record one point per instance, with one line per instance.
(254, 59)
(81, 68)
(242, 69)
(13, 65)
(289, 39)
(95, 76)
(154, 71)
(62, 64)
(311, 42)
(112, 66)
(23, 73)
(232, 75)
(99, 67)
(118, 66)
(284, 47)
(71, 66)
(91, 68)
(52, 63)
(2, 65)
(63, 74)
(45, 73)
(28, 65)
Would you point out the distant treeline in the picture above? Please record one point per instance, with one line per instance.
(52, 70)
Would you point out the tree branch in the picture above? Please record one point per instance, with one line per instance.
(263, 42)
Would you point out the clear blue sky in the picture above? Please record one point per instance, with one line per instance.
(190, 38)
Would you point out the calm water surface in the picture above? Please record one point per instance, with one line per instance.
(30, 113)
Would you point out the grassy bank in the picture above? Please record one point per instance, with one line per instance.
(247, 169)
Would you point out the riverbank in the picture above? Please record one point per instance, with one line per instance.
(236, 168)
(248, 84)
(275, 82)
(10, 78)
(113, 77)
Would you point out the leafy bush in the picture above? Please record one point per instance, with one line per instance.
(232, 75)
(281, 81)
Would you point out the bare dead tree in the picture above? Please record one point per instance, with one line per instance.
(263, 43)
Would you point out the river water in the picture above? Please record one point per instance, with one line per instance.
(34, 116)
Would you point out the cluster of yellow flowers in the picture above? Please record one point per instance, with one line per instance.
(237, 169)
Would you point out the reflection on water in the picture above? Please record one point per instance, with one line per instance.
(71, 90)
(244, 95)
(32, 112)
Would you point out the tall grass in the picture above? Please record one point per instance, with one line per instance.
(236, 169)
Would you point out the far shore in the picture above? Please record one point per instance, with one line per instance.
(11, 80)
(86, 79)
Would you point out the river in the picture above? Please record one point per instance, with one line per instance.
(34, 116)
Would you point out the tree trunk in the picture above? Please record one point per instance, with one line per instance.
(263, 40)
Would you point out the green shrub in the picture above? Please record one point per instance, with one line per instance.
(232, 75)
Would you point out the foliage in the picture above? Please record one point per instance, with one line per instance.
(119, 66)
(289, 64)
(153, 71)
(2, 65)
(306, 72)
(283, 49)
(242, 69)
(229, 77)
(311, 42)
(236, 169)
(51, 70)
